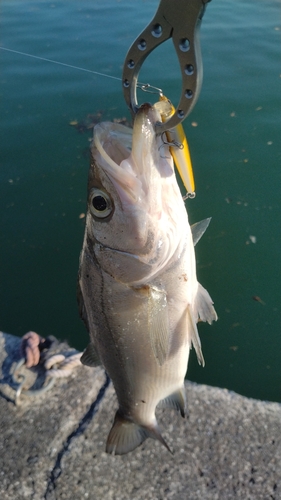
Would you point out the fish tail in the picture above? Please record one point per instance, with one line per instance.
(125, 435)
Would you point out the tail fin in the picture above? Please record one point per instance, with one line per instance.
(125, 435)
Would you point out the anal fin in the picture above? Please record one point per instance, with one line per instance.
(177, 401)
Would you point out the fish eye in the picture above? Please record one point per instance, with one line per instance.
(100, 203)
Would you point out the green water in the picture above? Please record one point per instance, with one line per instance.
(236, 155)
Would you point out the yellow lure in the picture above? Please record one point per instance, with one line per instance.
(180, 152)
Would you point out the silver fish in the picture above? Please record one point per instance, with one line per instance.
(137, 287)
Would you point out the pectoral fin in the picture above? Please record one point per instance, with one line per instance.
(198, 229)
(192, 328)
(158, 324)
(90, 356)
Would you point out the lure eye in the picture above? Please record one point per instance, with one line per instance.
(100, 204)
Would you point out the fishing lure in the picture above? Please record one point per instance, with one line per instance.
(180, 21)
(179, 149)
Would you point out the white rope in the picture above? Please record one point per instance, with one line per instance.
(65, 365)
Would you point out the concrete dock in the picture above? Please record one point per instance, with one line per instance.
(52, 446)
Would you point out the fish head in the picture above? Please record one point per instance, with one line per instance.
(133, 196)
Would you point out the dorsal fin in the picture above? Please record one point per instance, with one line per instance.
(203, 307)
(191, 325)
(198, 229)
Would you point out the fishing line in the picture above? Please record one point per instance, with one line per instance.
(145, 87)
(61, 64)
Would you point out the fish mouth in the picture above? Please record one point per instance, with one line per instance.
(140, 169)
(129, 157)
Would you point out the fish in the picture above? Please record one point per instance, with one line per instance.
(138, 292)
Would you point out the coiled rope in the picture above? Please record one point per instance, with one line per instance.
(65, 365)
(34, 350)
